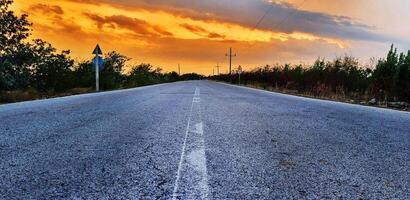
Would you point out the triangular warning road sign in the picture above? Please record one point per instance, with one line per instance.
(97, 50)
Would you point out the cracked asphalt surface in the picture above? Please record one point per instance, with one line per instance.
(258, 145)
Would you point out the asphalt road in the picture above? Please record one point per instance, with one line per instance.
(201, 140)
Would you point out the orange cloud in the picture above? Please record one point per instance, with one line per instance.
(46, 9)
(137, 26)
(161, 37)
(202, 32)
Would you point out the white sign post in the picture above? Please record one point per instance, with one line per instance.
(97, 52)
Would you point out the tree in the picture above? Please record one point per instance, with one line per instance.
(402, 78)
(13, 29)
(111, 76)
(51, 71)
(14, 73)
(384, 74)
(140, 75)
(171, 77)
(84, 76)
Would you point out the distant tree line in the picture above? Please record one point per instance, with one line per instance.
(388, 80)
(36, 65)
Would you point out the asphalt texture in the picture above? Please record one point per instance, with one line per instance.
(201, 140)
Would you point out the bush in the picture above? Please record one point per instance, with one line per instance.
(342, 77)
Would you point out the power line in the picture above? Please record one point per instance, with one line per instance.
(289, 15)
(275, 26)
(260, 21)
(255, 27)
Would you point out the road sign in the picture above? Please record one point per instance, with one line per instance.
(239, 70)
(97, 50)
(100, 62)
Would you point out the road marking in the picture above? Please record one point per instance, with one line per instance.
(197, 159)
(197, 100)
(181, 160)
(192, 164)
(199, 128)
(197, 92)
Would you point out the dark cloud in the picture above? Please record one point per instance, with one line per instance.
(55, 15)
(162, 31)
(46, 9)
(201, 31)
(84, 1)
(215, 35)
(193, 28)
(138, 26)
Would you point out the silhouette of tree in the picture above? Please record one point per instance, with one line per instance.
(390, 80)
(13, 51)
(51, 71)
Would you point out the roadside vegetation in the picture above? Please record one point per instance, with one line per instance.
(386, 84)
(34, 69)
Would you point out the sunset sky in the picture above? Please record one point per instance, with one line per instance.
(197, 34)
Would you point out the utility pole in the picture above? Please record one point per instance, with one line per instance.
(217, 69)
(213, 71)
(230, 59)
(179, 69)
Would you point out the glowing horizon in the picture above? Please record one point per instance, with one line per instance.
(168, 33)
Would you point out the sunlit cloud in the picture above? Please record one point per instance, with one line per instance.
(169, 32)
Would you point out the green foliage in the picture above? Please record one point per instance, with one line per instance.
(390, 80)
(391, 77)
(36, 66)
(13, 29)
(84, 75)
(111, 76)
(14, 53)
(143, 74)
(171, 77)
(50, 71)
(191, 76)
(402, 77)
(384, 74)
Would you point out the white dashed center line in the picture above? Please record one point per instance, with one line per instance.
(192, 179)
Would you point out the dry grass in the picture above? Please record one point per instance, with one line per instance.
(32, 94)
(326, 95)
(16, 96)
